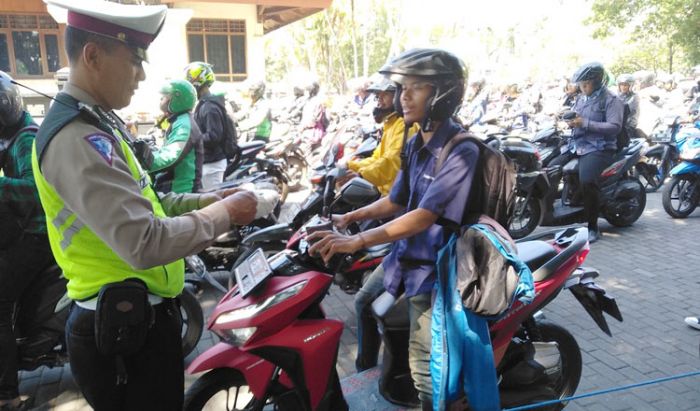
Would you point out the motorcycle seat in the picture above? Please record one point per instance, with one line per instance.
(535, 253)
(251, 147)
(571, 167)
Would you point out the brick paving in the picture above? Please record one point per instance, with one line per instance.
(652, 268)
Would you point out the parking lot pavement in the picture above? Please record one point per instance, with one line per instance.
(651, 268)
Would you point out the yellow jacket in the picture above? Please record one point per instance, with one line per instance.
(381, 169)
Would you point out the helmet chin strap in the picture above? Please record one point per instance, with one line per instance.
(428, 124)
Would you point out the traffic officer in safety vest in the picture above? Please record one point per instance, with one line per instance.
(106, 224)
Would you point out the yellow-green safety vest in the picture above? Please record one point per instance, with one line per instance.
(87, 262)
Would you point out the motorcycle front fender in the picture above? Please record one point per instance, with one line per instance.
(593, 298)
(685, 167)
(256, 371)
(277, 232)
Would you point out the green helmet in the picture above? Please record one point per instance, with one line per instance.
(182, 94)
(199, 74)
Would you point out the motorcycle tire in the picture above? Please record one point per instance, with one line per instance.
(684, 189)
(525, 218)
(192, 321)
(571, 362)
(627, 219)
(226, 388)
(296, 170)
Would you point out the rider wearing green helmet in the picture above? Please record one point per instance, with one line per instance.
(177, 165)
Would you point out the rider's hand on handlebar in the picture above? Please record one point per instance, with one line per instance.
(328, 243)
(341, 221)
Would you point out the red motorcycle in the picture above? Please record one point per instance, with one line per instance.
(279, 348)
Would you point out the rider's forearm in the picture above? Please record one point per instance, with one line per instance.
(402, 227)
(381, 208)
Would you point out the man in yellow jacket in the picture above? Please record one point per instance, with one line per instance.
(381, 169)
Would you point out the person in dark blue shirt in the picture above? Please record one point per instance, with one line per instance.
(599, 117)
(431, 85)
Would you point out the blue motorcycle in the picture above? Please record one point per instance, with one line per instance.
(682, 191)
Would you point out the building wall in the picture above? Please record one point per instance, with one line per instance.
(255, 47)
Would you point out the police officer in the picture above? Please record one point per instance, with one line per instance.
(431, 88)
(105, 222)
(598, 121)
(24, 246)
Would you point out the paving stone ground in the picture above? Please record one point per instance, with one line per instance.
(652, 269)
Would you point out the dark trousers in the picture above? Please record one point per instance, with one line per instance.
(20, 266)
(590, 167)
(155, 373)
(368, 338)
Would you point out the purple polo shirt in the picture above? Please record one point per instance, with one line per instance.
(412, 260)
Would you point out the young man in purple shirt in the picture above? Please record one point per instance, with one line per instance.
(431, 88)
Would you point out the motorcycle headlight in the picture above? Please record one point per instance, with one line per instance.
(237, 336)
(255, 309)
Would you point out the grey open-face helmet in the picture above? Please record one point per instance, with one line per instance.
(445, 71)
(625, 79)
(11, 108)
(594, 72)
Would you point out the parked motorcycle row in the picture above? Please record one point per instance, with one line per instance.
(277, 346)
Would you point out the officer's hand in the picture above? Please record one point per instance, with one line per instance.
(227, 192)
(241, 207)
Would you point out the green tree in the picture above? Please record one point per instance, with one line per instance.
(673, 26)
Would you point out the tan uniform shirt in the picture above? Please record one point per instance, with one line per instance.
(105, 196)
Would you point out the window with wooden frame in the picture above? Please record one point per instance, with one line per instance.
(30, 45)
(221, 43)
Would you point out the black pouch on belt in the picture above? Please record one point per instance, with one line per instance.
(123, 317)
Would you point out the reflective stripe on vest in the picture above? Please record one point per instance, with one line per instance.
(88, 262)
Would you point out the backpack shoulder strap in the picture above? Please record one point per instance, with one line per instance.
(452, 143)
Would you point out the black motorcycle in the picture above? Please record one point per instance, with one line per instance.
(42, 341)
(663, 154)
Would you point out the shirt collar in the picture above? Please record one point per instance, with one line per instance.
(594, 95)
(79, 94)
(446, 130)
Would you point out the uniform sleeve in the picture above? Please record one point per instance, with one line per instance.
(612, 125)
(175, 204)
(95, 183)
(447, 195)
(382, 167)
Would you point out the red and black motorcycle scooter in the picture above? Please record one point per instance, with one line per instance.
(278, 349)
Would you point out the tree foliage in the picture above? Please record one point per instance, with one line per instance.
(323, 44)
(672, 27)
